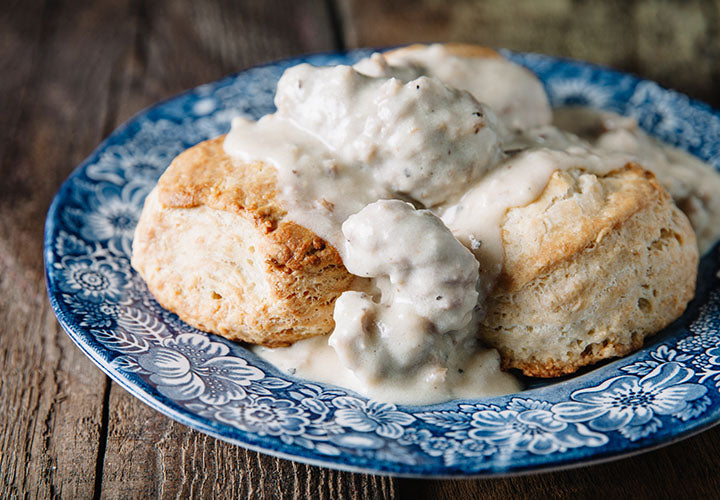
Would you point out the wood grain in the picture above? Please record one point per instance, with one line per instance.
(50, 394)
(182, 44)
(674, 43)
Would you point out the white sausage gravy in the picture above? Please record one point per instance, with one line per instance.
(406, 164)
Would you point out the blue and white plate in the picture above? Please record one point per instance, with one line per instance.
(664, 392)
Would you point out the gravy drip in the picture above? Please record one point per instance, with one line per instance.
(341, 140)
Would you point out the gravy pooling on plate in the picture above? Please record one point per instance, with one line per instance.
(408, 175)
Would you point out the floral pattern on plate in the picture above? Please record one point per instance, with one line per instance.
(668, 389)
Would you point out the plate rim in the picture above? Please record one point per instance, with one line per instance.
(194, 421)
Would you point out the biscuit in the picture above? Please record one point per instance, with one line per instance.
(592, 267)
(213, 247)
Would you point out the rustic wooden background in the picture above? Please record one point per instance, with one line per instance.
(73, 70)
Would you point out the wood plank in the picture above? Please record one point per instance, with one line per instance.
(676, 44)
(180, 45)
(183, 44)
(56, 60)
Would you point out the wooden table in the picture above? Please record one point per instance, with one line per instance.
(73, 70)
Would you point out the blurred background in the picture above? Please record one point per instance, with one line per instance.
(150, 49)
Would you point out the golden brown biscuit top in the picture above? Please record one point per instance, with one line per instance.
(205, 175)
(575, 211)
